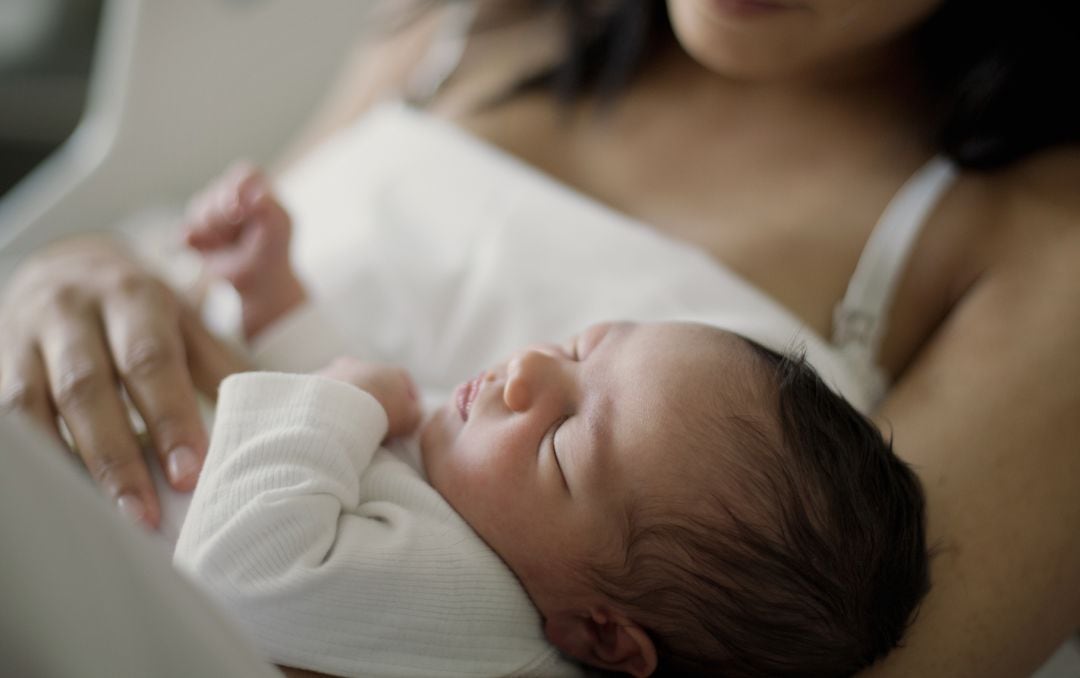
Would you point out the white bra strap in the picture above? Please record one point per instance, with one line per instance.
(443, 55)
(859, 319)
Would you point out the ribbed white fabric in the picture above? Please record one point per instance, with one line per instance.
(336, 555)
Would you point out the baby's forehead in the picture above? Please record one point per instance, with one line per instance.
(692, 408)
(656, 384)
(692, 366)
(665, 378)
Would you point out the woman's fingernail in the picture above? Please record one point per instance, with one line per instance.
(132, 507)
(182, 463)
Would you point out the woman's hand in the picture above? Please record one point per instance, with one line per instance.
(391, 386)
(80, 324)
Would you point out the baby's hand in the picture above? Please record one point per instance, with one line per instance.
(239, 227)
(243, 233)
(391, 386)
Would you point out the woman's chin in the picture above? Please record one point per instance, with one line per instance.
(755, 50)
(748, 65)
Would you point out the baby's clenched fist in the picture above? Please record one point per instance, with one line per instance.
(391, 386)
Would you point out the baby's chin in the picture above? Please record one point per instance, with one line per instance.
(435, 435)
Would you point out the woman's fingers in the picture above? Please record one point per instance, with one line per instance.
(80, 324)
(24, 387)
(209, 360)
(142, 328)
(86, 395)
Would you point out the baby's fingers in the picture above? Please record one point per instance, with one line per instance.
(250, 191)
(231, 201)
(215, 216)
(205, 226)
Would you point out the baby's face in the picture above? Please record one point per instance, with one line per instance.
(545, 454)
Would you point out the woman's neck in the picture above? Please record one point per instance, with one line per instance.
(883, 85)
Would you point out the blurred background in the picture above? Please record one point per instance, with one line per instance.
(46, 49)
(113, 110)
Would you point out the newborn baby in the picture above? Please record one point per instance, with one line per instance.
(644, 497)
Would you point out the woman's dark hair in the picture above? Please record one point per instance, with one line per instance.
(1004, 77)
(1001, 76)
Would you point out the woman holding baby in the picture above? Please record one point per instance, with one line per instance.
(777, 140)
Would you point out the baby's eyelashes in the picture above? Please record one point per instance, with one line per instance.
(555, 453)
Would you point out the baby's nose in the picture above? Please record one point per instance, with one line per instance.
(527, 374)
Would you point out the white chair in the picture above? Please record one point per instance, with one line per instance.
(177, 90)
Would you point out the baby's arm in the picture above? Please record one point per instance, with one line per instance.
(335, 555)
(243, 234)
(338, 557)
(277, 530)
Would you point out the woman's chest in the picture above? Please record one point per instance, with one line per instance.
(789, 209)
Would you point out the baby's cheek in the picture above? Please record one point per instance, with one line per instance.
(479, 489)
(451, 473)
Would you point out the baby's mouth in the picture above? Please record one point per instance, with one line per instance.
(466, 394)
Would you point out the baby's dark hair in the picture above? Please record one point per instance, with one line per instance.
(809, 556)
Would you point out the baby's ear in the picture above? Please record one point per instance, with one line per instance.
(603, 639)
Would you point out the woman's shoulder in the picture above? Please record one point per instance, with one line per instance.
(1024, 236)
(1039, 225)
(1042, 192)
(1014, 230)
(1027, 211)
(986, 415)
